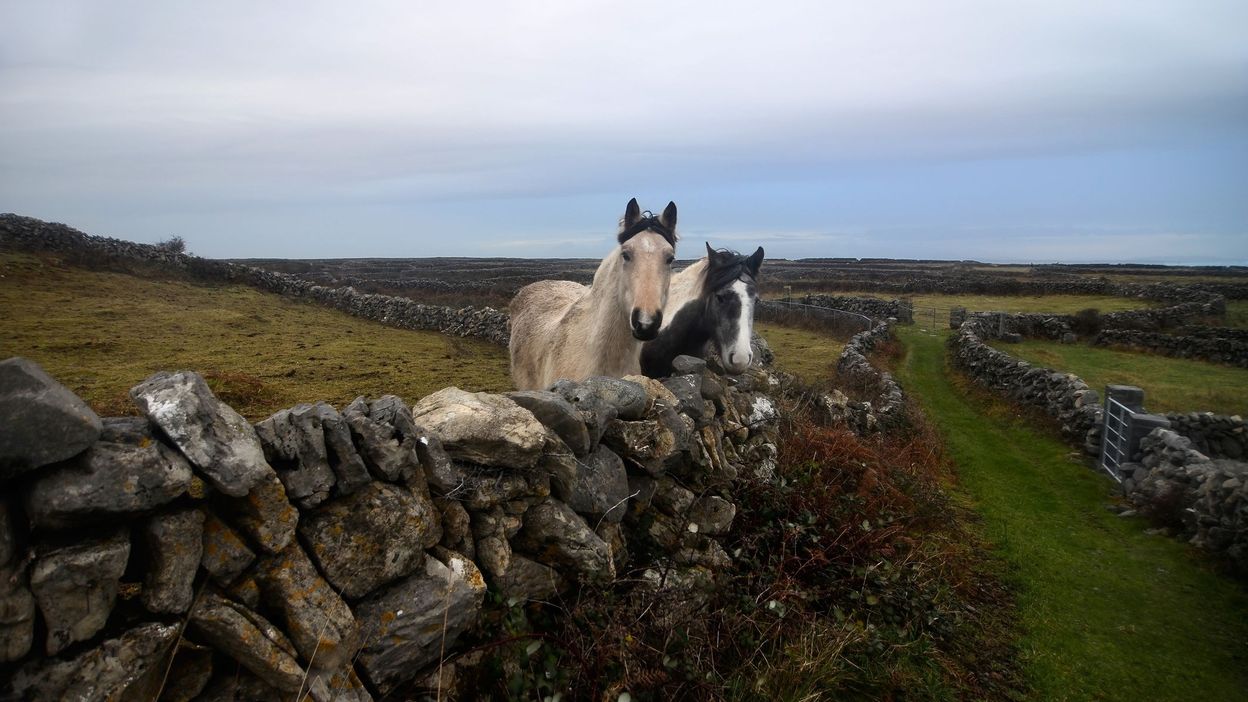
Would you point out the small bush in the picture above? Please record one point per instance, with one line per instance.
(174, 245)
(1086, 323)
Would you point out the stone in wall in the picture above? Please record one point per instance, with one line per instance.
(76, 586)
(33, 409)
(127, 471)
(215, 438)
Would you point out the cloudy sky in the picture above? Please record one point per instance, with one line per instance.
(1057, 130)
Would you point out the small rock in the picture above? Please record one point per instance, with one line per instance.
(175, 543)
(688, 365)
(713, 515)
(17, 613)
(130, 471)
(41, 421)
(601, 488)
(595, 411)
(215, 438)
(648, 444)
(688, 392)
(628, 398)
(386, 452)
(294, 445)
(527, 579)
(556, 535)
(482, 428)
(76, 587)
(225, 554)
(265, 515)
(371, 537)
(344, 460)
(188, 674)
(407, 625)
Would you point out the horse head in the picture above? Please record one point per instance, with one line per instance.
(645, 254)
(729, 294)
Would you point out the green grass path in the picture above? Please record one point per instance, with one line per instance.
(1108, 612)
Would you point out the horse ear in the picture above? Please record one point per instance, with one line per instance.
(754, 262)
(710, 253)
(632, 213)
(668, 218)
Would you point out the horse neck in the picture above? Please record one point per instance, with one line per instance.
(608, 327)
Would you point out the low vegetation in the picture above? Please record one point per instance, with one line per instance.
(100, 333)
(1108, 612)
(1237, 313)
(855, 579)
(1170, 384)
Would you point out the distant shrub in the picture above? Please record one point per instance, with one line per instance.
(174, 245)
(1087, 322)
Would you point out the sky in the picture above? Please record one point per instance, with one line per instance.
(1060, 130)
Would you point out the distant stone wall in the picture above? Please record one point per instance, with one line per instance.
(1159, 318)
(873, 307)
(1204, 500)
(886, 409)
(1064, 397)
(1208, 345)
(343, 552)
(995, 285)
(28, 234)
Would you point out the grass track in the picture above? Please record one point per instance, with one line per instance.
(100, 333)
(1108, 612)
(1170, 384)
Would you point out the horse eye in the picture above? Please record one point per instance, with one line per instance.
(670, 259)
(627, 256)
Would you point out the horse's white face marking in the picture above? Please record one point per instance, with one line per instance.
(738, 354)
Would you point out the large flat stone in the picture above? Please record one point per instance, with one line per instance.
(106, 672)
(215, 438)
(407, 625)
(127, 471)
(175, 545)
(482, 428)
(318, 621)
(76, 587)
(558, 415)
(371, 537)
(41, 421)
(249, 639)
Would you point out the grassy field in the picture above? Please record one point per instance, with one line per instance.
(1109, 612)
(1062, 304)
(101, 333)
(1170, 384)
(806, 354)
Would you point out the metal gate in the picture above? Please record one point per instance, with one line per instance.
(1115, 437)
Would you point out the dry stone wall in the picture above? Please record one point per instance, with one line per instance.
(873, 307)
(1215, 344)
(1203, 499)
(886, 408)
(29, 234)
(336, 551)
(1063, 396)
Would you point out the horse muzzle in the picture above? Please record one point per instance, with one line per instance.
(646, 329)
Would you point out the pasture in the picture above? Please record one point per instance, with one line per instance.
(1108, 612)
(1170, 384)
(100, 333)
(807, 354)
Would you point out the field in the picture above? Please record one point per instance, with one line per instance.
(806, 354)
(1237, 313)
(1170, 384)
(1108, 611)
(1057, 304)
(101, 333)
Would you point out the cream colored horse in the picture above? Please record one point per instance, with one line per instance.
(561, 329)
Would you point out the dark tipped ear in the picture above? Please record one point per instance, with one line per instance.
(710, 253)
(754, 262)
(668, 218)
(632, 213)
